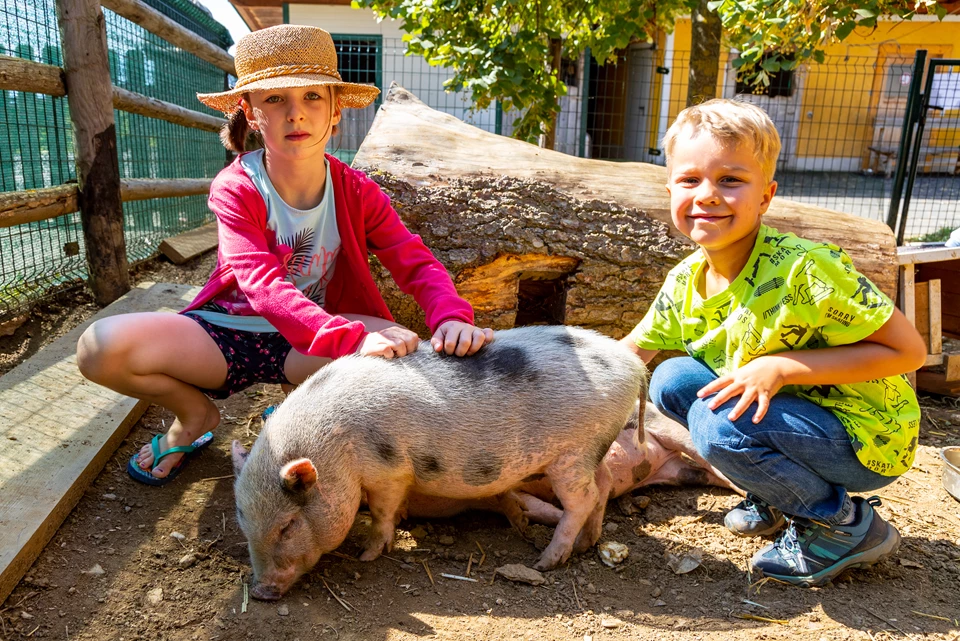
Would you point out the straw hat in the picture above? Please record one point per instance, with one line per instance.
(285, 56)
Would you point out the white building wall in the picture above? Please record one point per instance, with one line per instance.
(417, 76)
(343, 19)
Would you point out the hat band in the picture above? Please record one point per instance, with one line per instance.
(286, 70)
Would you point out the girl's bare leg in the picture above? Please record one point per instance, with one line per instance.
(162, 358)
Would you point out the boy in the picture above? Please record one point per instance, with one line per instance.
(794, 385)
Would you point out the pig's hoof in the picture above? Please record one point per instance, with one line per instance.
(512, 507)
(585, 541)
(370, 554)
(549, 560)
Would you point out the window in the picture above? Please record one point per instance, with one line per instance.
(896, 83)
(358, 58)
(781, 82)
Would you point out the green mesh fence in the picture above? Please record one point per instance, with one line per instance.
(36, 146)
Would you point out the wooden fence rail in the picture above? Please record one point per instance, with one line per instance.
(25, 75)
(30, 206)
(162, 26)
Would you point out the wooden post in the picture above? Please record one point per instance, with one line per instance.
(90, 96)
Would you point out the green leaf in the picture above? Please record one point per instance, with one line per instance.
(771, 64)
(845, 30)
(866, 13)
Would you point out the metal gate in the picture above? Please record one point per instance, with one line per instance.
(929, 144)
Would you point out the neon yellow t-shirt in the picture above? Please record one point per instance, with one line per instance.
(792, 294)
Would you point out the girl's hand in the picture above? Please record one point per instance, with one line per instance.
(389, 342)
(759, 380)
(462, 339)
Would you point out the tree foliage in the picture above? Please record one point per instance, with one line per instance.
(500, 49)
(794, 31)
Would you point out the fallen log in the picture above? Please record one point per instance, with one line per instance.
(532, 235)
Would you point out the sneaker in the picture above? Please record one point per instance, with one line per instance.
(810, 554)
(754, 517)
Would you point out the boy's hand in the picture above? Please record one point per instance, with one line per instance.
(759, 380)
(462, 339)
(389, 342)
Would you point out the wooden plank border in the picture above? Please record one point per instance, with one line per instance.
(20, 207)
(58, 432)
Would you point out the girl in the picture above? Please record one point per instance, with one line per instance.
(292, 289)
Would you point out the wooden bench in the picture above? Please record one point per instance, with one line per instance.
(190, 244)
(929, 296)
(58, 430)
(932, 160)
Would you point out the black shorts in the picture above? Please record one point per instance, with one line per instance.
(252, 357)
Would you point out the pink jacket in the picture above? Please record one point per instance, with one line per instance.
(366, 222)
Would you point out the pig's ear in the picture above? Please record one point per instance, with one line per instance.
(299, 475)
(239, 456)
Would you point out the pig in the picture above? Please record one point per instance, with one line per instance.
(538, 402)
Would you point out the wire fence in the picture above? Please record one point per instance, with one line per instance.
(36, 146)
(840, 121)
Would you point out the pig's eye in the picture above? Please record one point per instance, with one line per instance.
(288, 528)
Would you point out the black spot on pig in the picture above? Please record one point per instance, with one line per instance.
(566, 340)
(572, 342)
(692, 476)
(598, 361)
(384, 446)
(506, 364)
(427, 467)
(641, 471)
(512, 363)
(533, 477)
(482, 468)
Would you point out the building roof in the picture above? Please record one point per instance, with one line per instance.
(260, 14)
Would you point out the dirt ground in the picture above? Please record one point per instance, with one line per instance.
(137, 562)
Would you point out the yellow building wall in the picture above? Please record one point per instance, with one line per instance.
(836, 92)
(842, 92)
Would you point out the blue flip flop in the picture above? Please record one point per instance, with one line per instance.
(144, 476)
(267, 412)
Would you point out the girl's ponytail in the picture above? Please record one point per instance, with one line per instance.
(236, 133)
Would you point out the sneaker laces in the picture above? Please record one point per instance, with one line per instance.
(799, 531)
(788, 543)
(751, 502)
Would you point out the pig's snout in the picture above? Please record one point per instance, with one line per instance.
(265, 592)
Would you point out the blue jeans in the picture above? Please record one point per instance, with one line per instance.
(798, 459)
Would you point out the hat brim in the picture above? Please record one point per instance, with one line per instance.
(352, 95)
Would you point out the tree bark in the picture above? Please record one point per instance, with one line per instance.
(90, 96)
(548, 139)
(704, 54)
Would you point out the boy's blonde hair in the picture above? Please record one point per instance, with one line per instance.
(731, 122)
